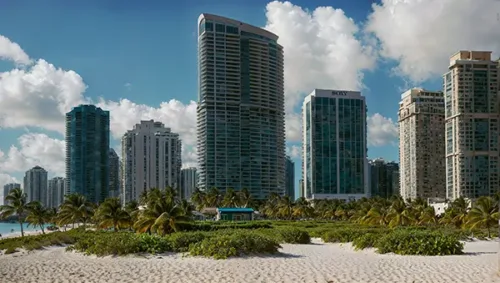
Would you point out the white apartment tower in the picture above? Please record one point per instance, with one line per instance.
(9, 187)
(56, 191)
(421, 144)
(471, 89)
(35, 185)
(151, 157)
(189, 180)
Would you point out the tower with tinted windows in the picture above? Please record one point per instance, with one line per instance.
(240, 115)
(334, 145)
(87, 152)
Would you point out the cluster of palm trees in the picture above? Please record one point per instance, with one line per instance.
(483, 213)
(158, 211)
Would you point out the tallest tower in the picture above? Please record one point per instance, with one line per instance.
(240, 115)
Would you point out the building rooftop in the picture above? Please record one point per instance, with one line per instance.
(234, 209)
(241, 25)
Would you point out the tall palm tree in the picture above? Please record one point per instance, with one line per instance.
(245, 198)
(399, 214)
(302, 208)
(231, 198)
(75, 209)
(377, 215)
(456, 213)
(198, 198)
(285, 207)
(428, 216)
(132, 208)
(186, 207)
(37, 215)
(15, 204)
(213, 198)
(111, 214)
(161, 214)
(484, 213)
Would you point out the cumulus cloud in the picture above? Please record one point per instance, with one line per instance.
(421, 35)
(34, 149)
(13, 52)
(321, 50)
(381, 130)
(294, 151)
(39, 96)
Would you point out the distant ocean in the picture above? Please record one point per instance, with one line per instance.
(6, 228)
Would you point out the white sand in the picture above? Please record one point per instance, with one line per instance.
(317, 262)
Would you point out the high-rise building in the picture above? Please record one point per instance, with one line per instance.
(114, 174)
(57, 190)
(471, 90)
(382, 178)
(189, 180)
(240, 114)
(35, 185)
(290, 178)
(334, 145)
(87, 152)
(301, 188)
(421, 144)
(7, 188)
(151, 155)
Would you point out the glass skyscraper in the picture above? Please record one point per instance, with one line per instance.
(290, 178)
(334, 145)
(241, 127)
(87, 152)
(471, 92)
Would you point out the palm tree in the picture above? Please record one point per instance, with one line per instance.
(186, 207)
(15, 204)
(245, 198)
(111, 214)
(456, 213)
(483, 214)
(302, 208)
(428, 216)
(198, 198)
(231, 199)
(285, 207)
(213, 198)
(377, 215)
(399, 214)
(37, 215)
(75, 209)
(161, 214)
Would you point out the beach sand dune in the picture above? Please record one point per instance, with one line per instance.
(317, 262)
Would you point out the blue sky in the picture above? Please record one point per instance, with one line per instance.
(146, 54)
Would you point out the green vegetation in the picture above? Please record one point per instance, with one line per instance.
(163, 223)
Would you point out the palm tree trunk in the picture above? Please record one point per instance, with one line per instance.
(115, 226)
(21, 223)
(41, 227)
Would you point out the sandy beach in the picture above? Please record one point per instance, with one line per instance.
(317, 262)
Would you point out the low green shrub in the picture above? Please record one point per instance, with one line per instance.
(180, 242)
(294, 236)
(108, 243)
(221, 225)
(10, 250)
(154, 244)
(37, 241)
(236, 244)
(341, 235)
(364, 241)
(419, 243)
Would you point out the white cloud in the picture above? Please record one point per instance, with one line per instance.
(128, 86)
(381, 130)
(13, 52)
(39, 96)
(320, 47)
(34, 149)
(294, 151)
(422, 34)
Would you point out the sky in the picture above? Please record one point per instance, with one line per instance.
(139, 61)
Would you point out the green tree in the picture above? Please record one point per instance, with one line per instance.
(245, 197)
(16, 205)
(198, 198)
(484, 213)
(111, 214)
(231, 199)
(37, 215)
(160, 214)
(75, 209)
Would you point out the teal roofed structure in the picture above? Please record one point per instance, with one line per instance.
(234, 214)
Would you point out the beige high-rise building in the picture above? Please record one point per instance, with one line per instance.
(421, 144)
(471, 88)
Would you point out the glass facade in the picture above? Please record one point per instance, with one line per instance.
(335, 145)
(240, 115)
(87, 152)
